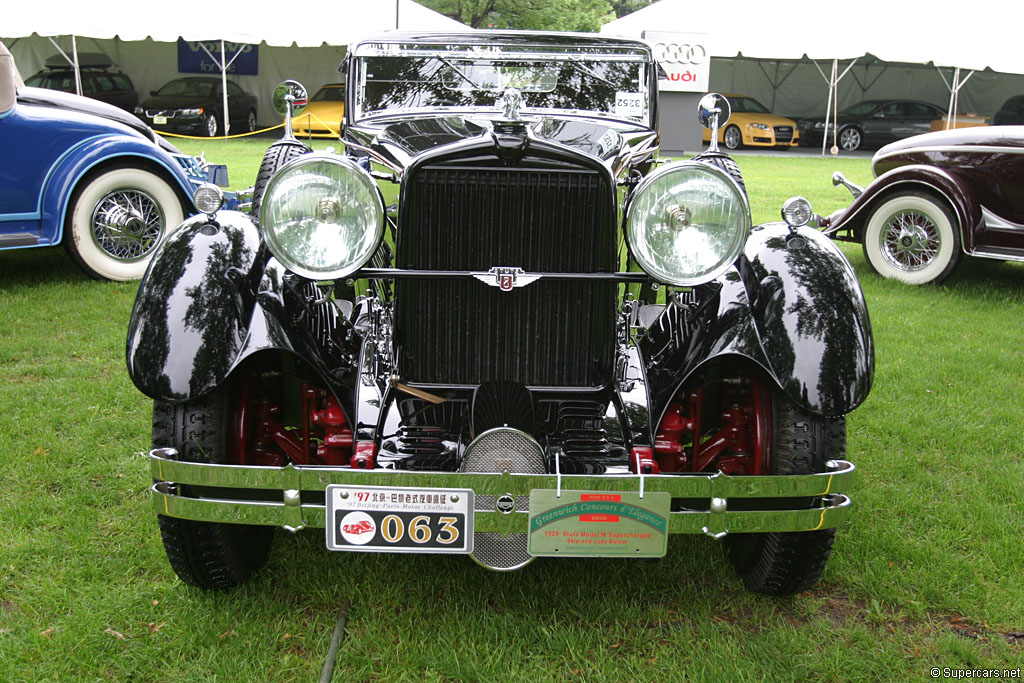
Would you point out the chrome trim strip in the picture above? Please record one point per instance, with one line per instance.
(291, 514)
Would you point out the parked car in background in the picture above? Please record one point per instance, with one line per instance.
(752, 125)
(323, 115)
(195, 105)
(487, 371)
(1011, 113)
(872, 123)
(84, 174)
(100, 80)
(936, 198)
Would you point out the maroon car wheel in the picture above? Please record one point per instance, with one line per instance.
(913, 238)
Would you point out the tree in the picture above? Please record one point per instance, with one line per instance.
(537, 15)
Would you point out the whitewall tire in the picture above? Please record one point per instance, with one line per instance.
(116, 219)
(912, 237)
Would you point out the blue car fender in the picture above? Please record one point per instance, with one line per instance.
(78, 161)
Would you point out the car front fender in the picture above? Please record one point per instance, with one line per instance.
(793, 306)
(212, 298)
(931, 179)
(79, 160)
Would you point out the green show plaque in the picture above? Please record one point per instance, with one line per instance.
(598, 524)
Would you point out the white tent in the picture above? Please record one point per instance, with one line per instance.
(878, 47)
(142, 41)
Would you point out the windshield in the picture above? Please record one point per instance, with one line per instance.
(862, 109)
(329, 94)
(393, 79)
(747, 105)
(188, 87)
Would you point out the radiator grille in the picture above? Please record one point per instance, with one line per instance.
(462, 331)
(783, 133)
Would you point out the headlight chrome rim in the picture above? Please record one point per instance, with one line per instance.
(327, 174)
(680, 216)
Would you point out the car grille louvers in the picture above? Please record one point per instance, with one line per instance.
(464, 332)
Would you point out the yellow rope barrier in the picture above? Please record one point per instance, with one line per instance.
(219, 137)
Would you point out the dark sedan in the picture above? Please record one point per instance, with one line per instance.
(196, 105)
(872, 123)
(938, 197)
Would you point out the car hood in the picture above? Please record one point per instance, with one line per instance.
(61, 100)
(767, 119)
(400, 139)
(955, 141)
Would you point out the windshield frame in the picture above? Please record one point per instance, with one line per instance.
(579, 54)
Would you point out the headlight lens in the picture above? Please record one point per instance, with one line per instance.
(322, 216)
(191, 112)
(760, 126)
(687, 223)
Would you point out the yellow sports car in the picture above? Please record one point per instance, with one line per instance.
(322, 118)
(752, 124)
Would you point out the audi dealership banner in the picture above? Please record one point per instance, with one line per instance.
(683, 60)
(192, 59)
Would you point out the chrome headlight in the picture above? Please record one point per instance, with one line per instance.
(322, 216)
(687, 223)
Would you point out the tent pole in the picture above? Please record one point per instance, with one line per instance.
(78, 73)
(951, 112)
(224, 85)
(828, 108)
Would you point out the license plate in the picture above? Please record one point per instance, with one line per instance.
(159, 120)
(598, 524)
(388, 519)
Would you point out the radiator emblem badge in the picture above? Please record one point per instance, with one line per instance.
(505, 278)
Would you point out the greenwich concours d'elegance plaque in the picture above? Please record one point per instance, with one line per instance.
(602, 524)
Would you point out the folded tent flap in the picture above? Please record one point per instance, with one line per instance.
(10, 79)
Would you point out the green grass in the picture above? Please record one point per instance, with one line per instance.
(928, 573)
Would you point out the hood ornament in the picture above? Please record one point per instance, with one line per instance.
(511, 101)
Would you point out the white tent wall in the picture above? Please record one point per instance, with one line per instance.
(150, 64)
(797, 88)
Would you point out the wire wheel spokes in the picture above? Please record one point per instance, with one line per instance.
(127, 224)
(910, 240)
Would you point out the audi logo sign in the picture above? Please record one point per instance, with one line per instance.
(684, 64)
(680, 53)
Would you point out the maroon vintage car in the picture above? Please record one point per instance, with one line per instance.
(936, 197)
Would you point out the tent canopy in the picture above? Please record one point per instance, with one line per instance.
(333, 23)
(892, 31)
(293, 43)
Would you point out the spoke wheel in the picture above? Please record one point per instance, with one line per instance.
(116, 219)
(911, 237)
(210, 125)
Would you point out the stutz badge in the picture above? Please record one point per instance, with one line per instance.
(506, 278)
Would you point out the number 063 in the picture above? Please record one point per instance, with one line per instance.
(393, 529)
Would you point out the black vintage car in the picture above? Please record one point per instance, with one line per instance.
(196, 105)
(552, 345)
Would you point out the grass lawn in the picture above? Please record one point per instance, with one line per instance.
(927, 574)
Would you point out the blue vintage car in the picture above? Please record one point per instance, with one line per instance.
(87, 175)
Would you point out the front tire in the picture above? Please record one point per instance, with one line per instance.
(783, 563)
(250, 122)
(116, 219)
(207, 554)
(210, 126)
(913, 238)
(732, 138)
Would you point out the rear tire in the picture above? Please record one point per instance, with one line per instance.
(783, 563)
(207, 554)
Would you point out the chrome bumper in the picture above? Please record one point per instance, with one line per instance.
(234, 500)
